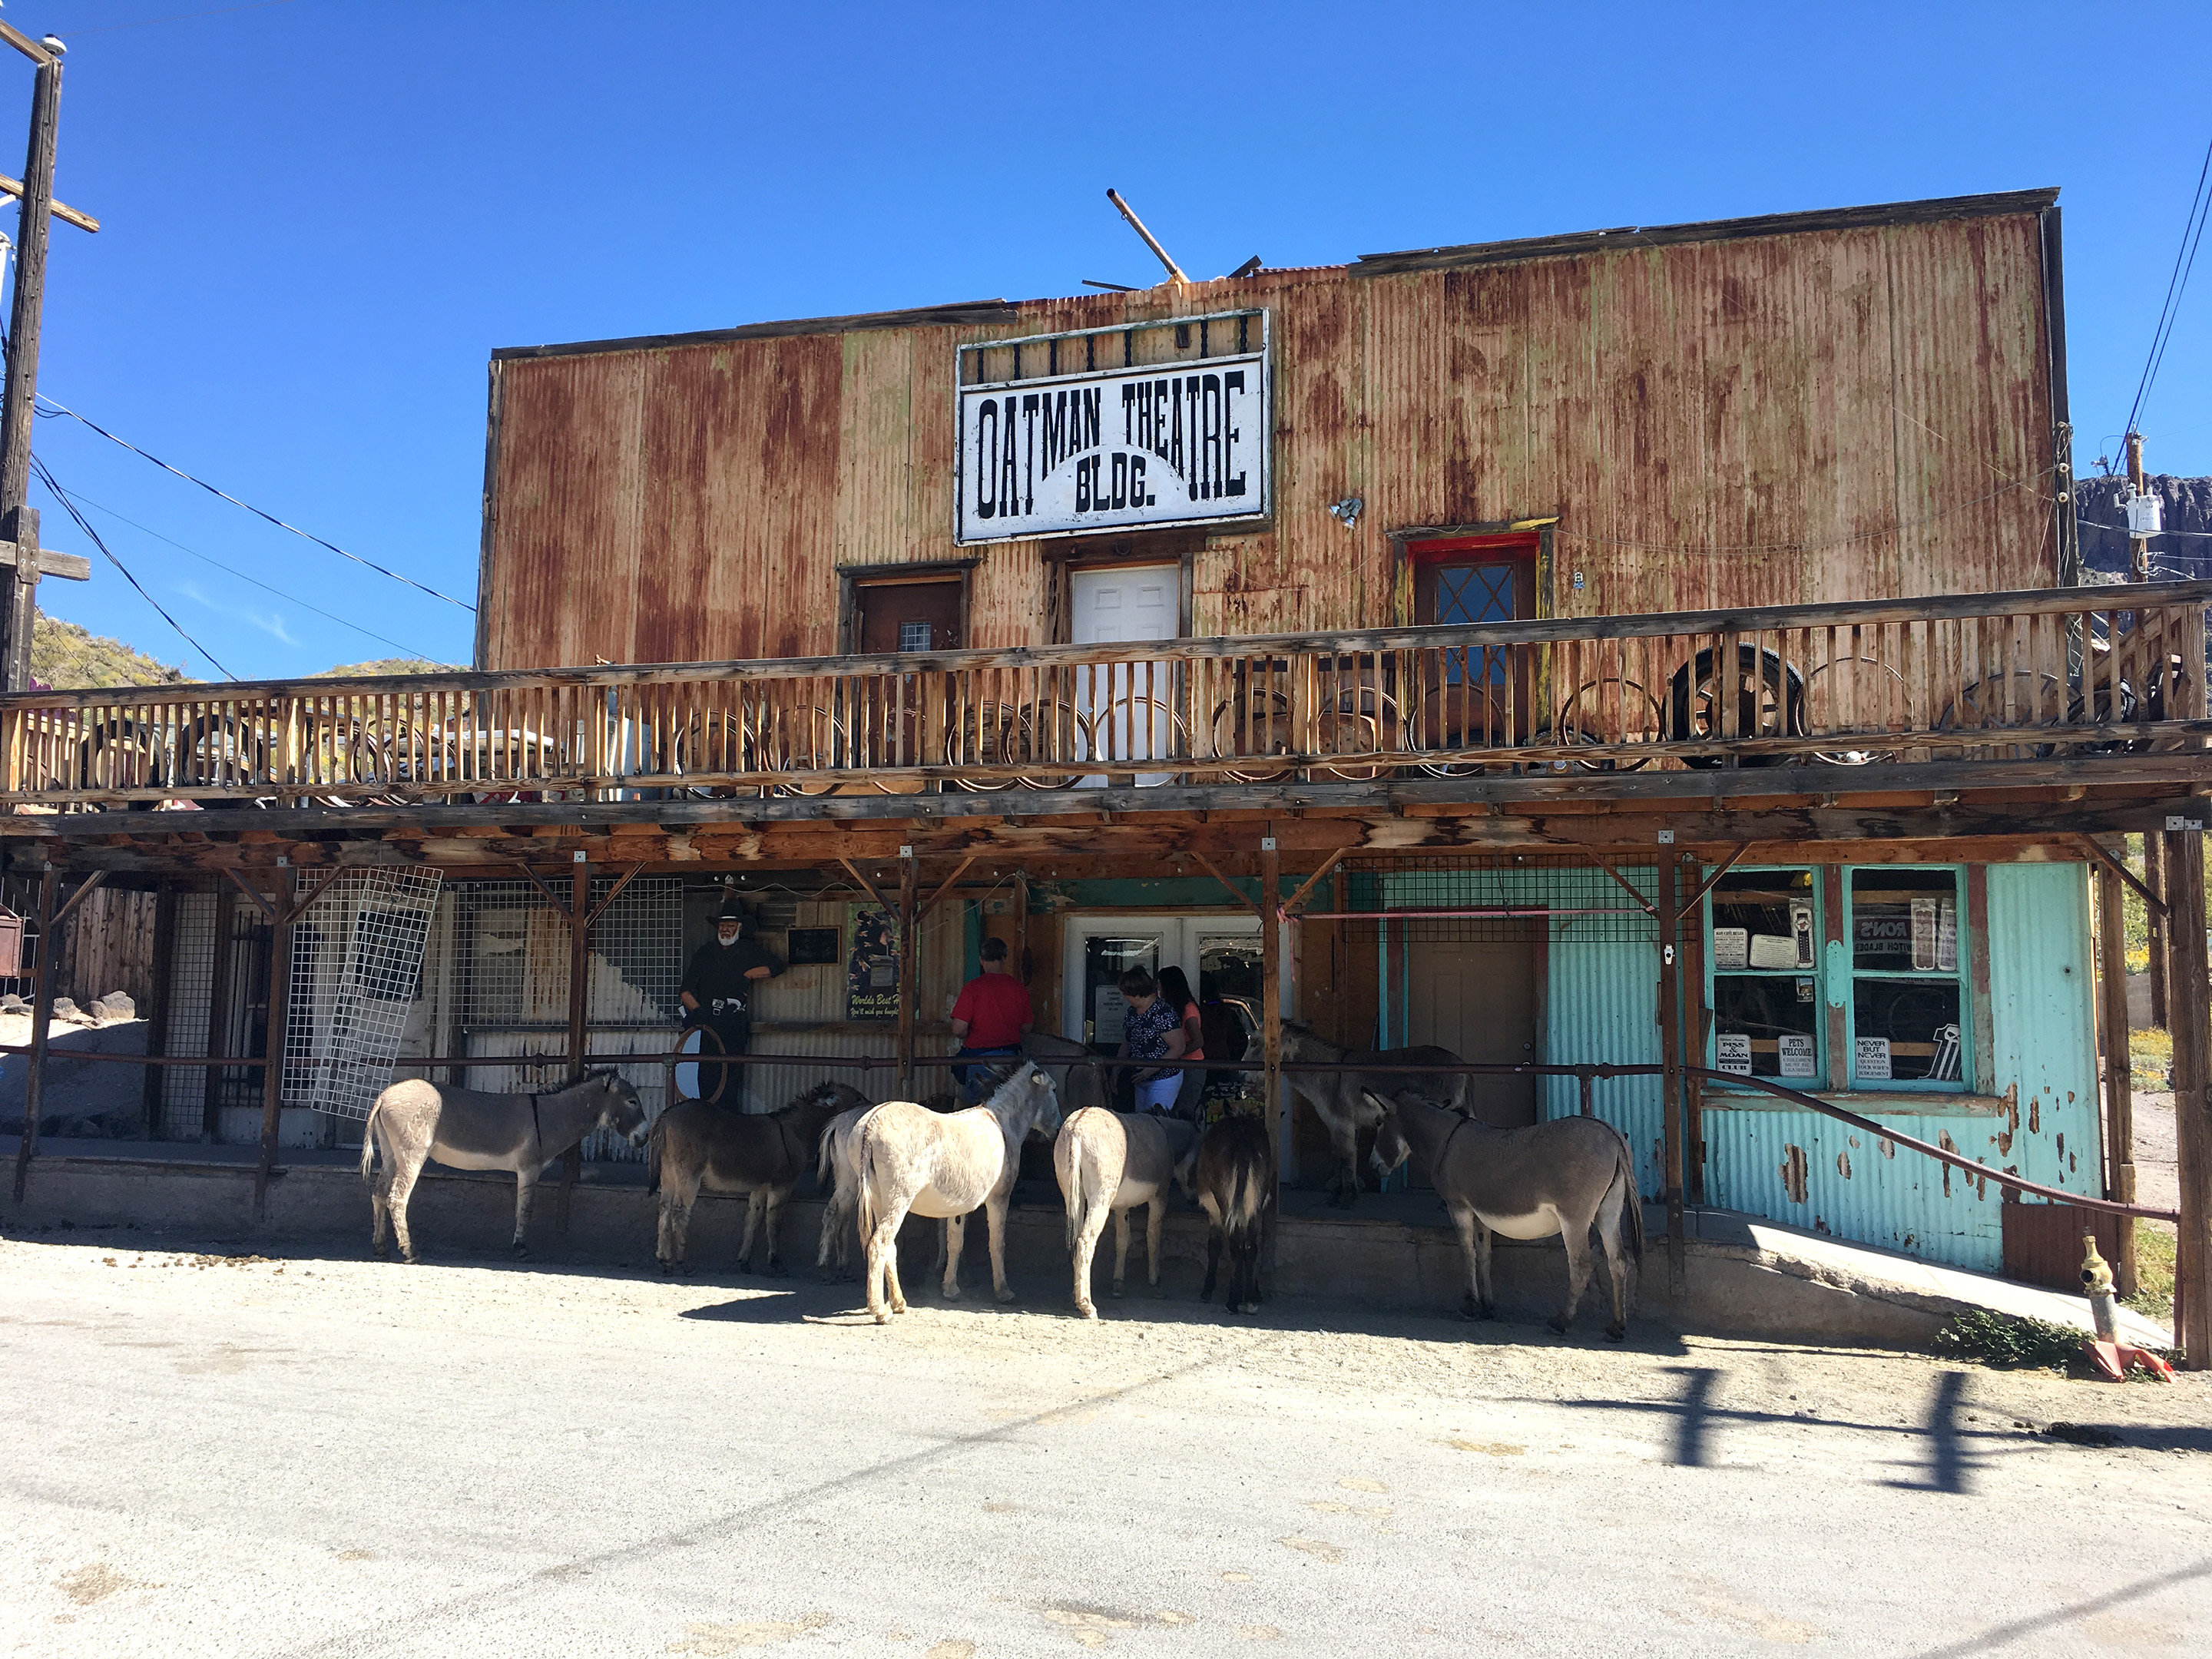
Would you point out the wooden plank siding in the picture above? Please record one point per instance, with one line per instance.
(1742, 419)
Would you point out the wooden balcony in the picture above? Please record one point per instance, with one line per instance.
(2067, 680)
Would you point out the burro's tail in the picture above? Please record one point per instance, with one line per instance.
(656, 1146)
(825, 1158)
(864, 1154)
(1070, 1154)
(368, 1144)
(1634, 1202)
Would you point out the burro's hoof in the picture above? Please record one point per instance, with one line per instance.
(1559, 1322)
(521, 1253)
(1087, 1310)
(883, 1315)
(1004, 1296)
(1117, 1287)
(667, 1268)
(1616, 1332)
(951, 1293)
(411, 1258)
(777, 1270)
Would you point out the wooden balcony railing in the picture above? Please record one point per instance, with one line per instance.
(2074, 673)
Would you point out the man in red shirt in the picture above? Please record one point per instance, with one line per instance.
(990, 1019)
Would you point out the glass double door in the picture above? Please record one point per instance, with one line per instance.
(1218, 954)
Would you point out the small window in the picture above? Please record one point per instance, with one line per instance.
(913, 637)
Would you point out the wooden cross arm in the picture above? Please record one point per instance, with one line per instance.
(74, 565)
(61, 210)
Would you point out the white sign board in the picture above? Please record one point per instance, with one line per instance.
(1177, 443)
(1733, 1053)
(1796, 1054)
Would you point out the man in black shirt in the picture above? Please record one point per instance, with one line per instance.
(717, 987)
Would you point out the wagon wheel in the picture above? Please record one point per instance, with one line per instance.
(1045, 734)
(1963, 713)
(216, 751)
(709, 1045)
(122, 754)
(1770, 701)
(530, 759)
(1257, 725)
(1817, 685)
(711, 743)
(1585, 719)
(354, 752)
(1363, 722)
(800, 739)
(984, 737)
(2166, 694)
(1121, 717)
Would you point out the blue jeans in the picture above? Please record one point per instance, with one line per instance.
(977, 1081)
(1159, 1094)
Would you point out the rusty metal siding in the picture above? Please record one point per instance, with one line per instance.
(1810, 1171)
(1713, 422)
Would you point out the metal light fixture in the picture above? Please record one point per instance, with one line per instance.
(1347, 511)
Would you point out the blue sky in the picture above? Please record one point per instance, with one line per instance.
(322, 215)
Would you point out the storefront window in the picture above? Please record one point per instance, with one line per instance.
(1907, 994)
(1763, 956)
(1903, 973)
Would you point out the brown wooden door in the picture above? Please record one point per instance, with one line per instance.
(1480, 1001)
(1481, 695)
(889, 728)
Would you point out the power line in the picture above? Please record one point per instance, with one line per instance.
(85, 524)
(290, 599)
(2177, 284)
(306, 535)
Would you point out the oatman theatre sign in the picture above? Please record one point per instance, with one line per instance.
(1142, 447)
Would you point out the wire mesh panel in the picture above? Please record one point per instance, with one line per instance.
(356, 971)
(1559, 900)
(191, 971)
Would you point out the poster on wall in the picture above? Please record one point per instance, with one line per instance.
(1797, 1054)
(1132, 447)
(1871, 1060)
(1734, 1053)
(872, 964)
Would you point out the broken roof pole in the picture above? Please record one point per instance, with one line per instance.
(1176, 277)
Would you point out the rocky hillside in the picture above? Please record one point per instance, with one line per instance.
(2188, 507)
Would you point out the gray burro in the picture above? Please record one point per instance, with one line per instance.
(1569, 1177)
(414, 1122)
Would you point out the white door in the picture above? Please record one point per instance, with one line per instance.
(1125, 711)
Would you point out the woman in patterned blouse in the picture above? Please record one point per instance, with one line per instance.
(1151, 1030)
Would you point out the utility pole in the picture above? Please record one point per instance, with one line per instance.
(2138, 546)
(19, 521)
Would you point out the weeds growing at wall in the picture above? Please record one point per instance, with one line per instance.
(2009, 1341)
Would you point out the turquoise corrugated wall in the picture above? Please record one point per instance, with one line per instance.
(2044, 1033)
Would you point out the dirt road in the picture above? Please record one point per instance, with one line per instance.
(332, 1457)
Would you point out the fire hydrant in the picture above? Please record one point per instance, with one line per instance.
(2107, 1352)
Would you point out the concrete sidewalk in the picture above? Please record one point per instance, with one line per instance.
(1744, 1276)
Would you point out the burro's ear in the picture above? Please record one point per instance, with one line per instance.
(1376, 1103)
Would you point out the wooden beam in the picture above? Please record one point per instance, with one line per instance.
(69, 567)
(909, 970)
(552, 895)
(301, 903)
(2119, 868)
(42, 1021)
(84, 892)
(1271, 998)
(577, 910)
(267, 906)
(2189, 998)
(2155, 921)
(23, 43)
(613, 893)
(61, 210)
(1626, 885)
(1235, 891)
(861, 876)
(280, 1001)
(951, 882)
(1290, 906)
(1690, 903)
(1671, 1108)
(2119, 1075)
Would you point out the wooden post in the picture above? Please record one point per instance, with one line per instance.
(2189, 1010)
(2155, 878)
(579, 988)
(2138, 546)
(218, 1037)
(272, 1069)
(157, 1017)
(1672, 1110)
(19, 523)
(42, 1019)
(909, 974)
(1696, 1027)
(2119, 1082)
(1271, 994)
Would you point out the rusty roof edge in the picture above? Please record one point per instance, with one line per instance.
(946, 316)
(1712, 230)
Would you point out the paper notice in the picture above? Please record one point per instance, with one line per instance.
(1732, 1050)
(1870, 1059)
(1796, 1054)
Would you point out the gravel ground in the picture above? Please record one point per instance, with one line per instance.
(310, 1455)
